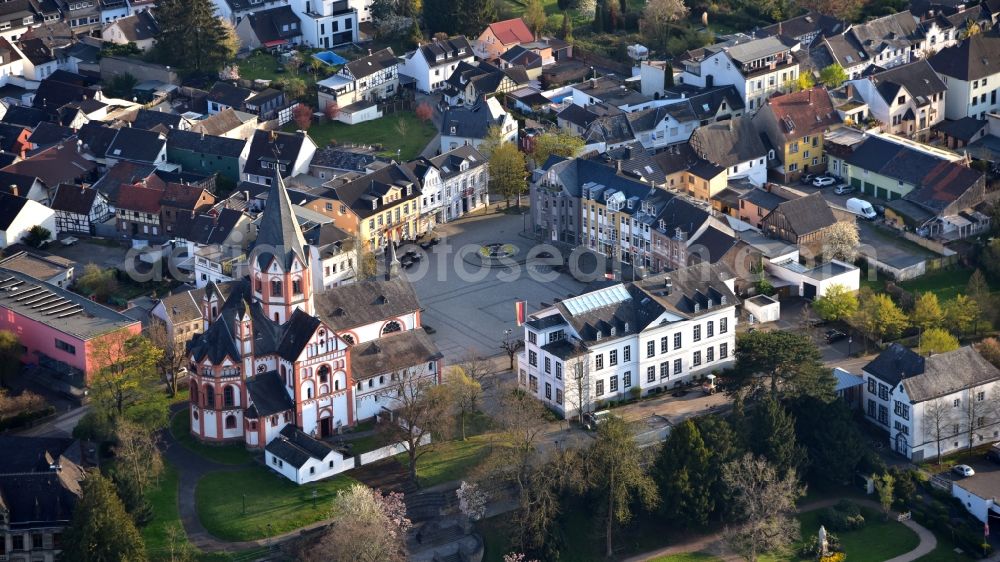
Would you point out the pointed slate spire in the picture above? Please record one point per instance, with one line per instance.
(279, 232)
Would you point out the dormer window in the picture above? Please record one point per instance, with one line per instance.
(409, 190)
(613, 331)
(598, 335)
(710, 303)
(374, 203)
(722, 300)
(697, 307)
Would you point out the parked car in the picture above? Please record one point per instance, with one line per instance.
(592, 420)
(834, 336)
(994, 453)
(824, 181)
(963, 470)
(807, 179)
(843, 189)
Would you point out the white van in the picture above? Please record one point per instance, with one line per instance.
(861, 207)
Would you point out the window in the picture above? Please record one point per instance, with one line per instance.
(559, 371)
(901, 410)
(696, 358)
(651, 348)
(710, 355)
(296, 286)
(36, 540)
(533, 383)
(883, 415)
(650, 374)
(663, 344)
(627, 379)
(664, 369)
(956, 403)
(627, 353)
(723, 350)
(18, 542)
(614, 383)
(871, 408)
(532, 359)
(532, 338)
(613, 357)
(548, 365)
(677, 340)
(230, 422)
(63, 346)
(599, 389)
(559, 396)
(980, 396)
(548, 391)
(711, 329)
(871, 385)
(227, 397)
(599, 361)
(697, 332)
(275, 288)
(677, 366)
(209, 397)
(883, 392)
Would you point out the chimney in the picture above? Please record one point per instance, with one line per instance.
(809, 96)
(618, 166)
(14, 190)
(850, 91)
(369, 52)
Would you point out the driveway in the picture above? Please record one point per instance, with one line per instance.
(84, 252)
(470, 307)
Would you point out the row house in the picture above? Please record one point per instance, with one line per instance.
(431, 64)
(907, 100)
(143, 210)
(736, 146)
(972, 83)
(380, 208)
(270, 151)
(360, 85)
(927, 406)
(452, 184)
(629, 340)
(16, 18)
(883, 42)
(795, 125)
(79, 209)
(757, 68)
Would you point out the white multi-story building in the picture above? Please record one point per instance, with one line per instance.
(908, 100)
(327, 23)
(630, 339)
(360, 85)
(433, 63)
(924, 403)
(452, 184)
(971, 80)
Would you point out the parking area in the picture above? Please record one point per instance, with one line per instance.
(106, 255)
(469, 307)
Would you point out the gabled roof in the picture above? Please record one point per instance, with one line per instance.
(392, 353)
(296, 448)
(137, 145)
(184, 306)
(268, 394)
(368, 65)
(728, 143)
(365, 302)
(275, 25)
(10, 209)
(222, 122)
(469, 122)
(139, 198)
(525, 57)
(278, 233)
(806, 112)
(919, 79)
(365, 195)
(55, 165)
(36, 50)
(262, 150)
(24, 116)
(46, 134)
(512, 31)
(214, 227)
(147, 119)
(139, 27)
(975, 58)
(74, 199)
(205, 144)
(808, 214)
(931, 377)
(227, 94)
(448, 49)
(806, 24)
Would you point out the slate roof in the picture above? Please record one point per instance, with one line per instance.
(124, 172)
(36, 50)
(268, 394)
(451, 49)
(269, 25)
(32, 494)
(147, 119)
(468, 122)
(46, 134)
(392, 353)
(364, 302)
(368, 65)
(227, 94)
(518, 55)
(963, 129)
(338, 158)
(295, 447)
(24, 116)
(55, 165)
(74, 199)
(139, 27)
(184, 306)
(806, 24)
(262, 150)
(279, 230)
(975, 58)
(931, 377)
(96, 137)
(205, 144)
(918, 78)
(137, 145)
(728, 143)
(210, 228)
(763, 198)
(222, 122)
(807, 214)
(511, 31)
(10, 208)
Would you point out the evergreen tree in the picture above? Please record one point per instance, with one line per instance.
(833, 441)
(101, 531)
(724, 447)
(476, 15)
(772, 435)
(681, 473)
(441, 16)
(567, 27)
(779, 364)
(192, 37)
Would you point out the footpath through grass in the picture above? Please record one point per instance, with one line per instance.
(180, 429)
(165, 530)
(410, 138)
(271, 499)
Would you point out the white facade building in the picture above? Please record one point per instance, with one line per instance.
(20, 215)
(924, 403)
(973, 83)
(432, 64)
(452, 184)
(630, 339)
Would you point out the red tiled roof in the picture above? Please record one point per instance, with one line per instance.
(805, 112)
(139, 198)
(182, 196)
(512, 32)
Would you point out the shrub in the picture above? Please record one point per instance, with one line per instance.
(812, 548)
(837, 520)
(848, 507)
(833, 557)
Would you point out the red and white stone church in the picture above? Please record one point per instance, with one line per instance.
(276, 353)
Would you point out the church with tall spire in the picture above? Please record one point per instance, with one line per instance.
(275, 353)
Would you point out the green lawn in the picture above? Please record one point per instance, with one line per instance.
(180, 429)
(384, 131)
(166, 524)
(450, 460)
(264, 66)
(688, 557)
(271, 500)
(878, 541)
(946, 283)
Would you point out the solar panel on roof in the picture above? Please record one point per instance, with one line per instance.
(596, 299)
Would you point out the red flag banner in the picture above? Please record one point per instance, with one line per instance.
(520, 311)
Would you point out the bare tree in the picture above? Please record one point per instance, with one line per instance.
(464, 394)
(765, 502)
(477, 367)
(581, 381)
(136, 455)
(978, 413)
(420, 409)
(522, 421)
(511, 346)
(541, 502)
(937, 417)
(173, 358)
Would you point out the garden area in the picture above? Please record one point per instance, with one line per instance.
(180, 429)
(164, 535)
(402, 130)
(256, 503)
